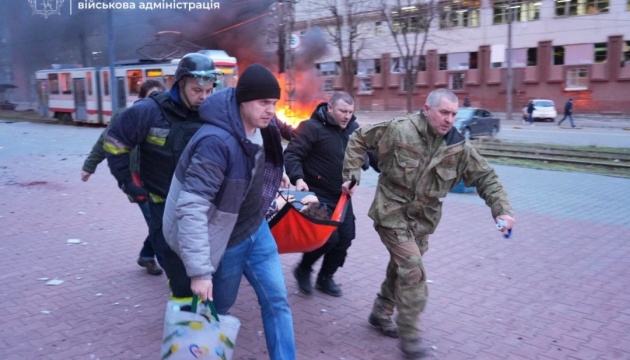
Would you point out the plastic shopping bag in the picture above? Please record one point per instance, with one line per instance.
(197, 332)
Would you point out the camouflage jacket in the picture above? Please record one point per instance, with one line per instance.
(418, 169)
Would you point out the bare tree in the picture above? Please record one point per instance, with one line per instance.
(409, 22)
(343, 28)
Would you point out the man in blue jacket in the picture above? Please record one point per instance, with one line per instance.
(214, 219)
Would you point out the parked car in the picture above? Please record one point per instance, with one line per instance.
(544, 110)
(474, 122)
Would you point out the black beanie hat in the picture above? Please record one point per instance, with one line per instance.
(256, 83)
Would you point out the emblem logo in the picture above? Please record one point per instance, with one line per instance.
(46, 8)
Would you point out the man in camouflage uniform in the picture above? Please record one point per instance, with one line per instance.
(421, 158)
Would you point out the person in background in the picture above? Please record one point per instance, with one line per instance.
(422, 156)
(568, 112)
(146, 259)
(530, 112)
(466, 101)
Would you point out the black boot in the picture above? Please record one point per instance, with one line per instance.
(151, 266)
(327, 284)
(303, 278)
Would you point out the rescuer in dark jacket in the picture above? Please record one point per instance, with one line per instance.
(314, 161)
(160, 126)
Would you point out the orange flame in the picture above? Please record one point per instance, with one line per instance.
(297, 110)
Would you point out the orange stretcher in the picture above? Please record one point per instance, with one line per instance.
(295, 232)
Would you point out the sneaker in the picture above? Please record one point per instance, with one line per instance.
(303, 278)
(413, 349)
(386, 326)
(327, 285)
(151, 266)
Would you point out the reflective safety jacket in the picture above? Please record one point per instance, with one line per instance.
(161, 126)
(418, 168)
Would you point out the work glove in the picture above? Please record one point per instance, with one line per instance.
(134, 189)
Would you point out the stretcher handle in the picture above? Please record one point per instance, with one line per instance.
(353, 181)
(340, 209)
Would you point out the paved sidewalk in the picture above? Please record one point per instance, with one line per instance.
(559, 289)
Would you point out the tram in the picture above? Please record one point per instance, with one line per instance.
(82, 95)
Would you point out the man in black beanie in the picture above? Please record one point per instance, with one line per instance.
(214, 219)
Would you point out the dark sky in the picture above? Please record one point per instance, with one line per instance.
(246, 29)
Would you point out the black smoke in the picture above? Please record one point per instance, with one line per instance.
(246, 29)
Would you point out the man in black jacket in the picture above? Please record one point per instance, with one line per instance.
(314, 161)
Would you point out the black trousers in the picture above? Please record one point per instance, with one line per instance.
(155, 231)
(336, 248)
(168, 259)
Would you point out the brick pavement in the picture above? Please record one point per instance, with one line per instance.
(558, 290)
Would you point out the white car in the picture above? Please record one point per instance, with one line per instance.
(543, 110)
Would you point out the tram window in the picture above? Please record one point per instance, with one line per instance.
(88, 77)
(105, 83)
(134, 80)
(53, 80)
(66, 83)
(154, 73)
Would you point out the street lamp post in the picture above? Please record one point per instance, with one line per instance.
(510, 71)
(113, 87)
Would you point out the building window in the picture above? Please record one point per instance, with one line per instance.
(53, 83)
(442, 61)
(410, 19)
(378, 28)
(398, 66)
(422, 63)
(365, 85)
(532, 56)
(601, 52)
(328, 85)
(626, 52)
(581, 7)
(577, 79)
(558, 55)
(473, 60)
(526, 10)
(457, 81)
(329, 68)
(368, 67)
(459, 13)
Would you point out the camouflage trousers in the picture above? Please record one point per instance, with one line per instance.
(405, 285)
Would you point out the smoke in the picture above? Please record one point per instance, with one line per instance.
(307, 80)
(245, 29)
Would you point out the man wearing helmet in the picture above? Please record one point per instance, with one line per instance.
(160, 126)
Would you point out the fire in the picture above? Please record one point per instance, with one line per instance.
(293, 115)
(298, 109)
